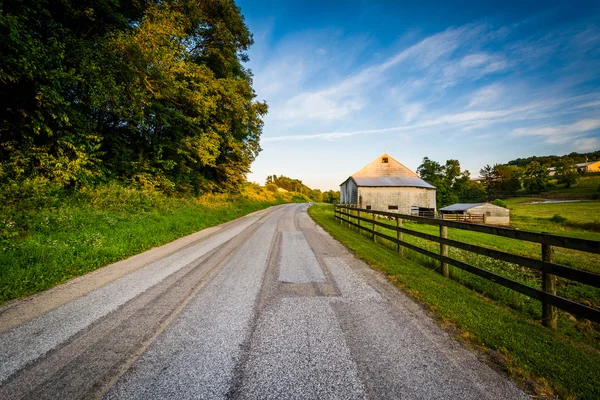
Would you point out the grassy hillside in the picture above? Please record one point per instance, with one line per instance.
(587, 184)
(587, 187)
(47, 238)
(579, 219)
(499, 322)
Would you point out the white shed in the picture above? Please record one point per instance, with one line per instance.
(489, 213)
(387, 185)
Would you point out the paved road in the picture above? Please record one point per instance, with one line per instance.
(267, 306)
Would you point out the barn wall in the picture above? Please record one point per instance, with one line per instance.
(348, 192)
(494, 215)
(379, 198)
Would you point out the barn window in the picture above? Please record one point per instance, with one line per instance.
(487, 213)
(390, 207)
(368, 207)
(384, 160)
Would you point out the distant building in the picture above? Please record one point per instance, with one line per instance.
(591, 166)
(486, 213)
(387, 185)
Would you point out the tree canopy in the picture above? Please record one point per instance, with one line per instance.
(150, 92)
(452, 184)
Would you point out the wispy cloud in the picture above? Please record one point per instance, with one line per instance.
(477, 119)
(348, 95)
(587, 144)
(486, 96)
(560, 133)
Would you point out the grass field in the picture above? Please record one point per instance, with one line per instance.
(582, 217)
(497, 319)
(587, 184)
(62, 237)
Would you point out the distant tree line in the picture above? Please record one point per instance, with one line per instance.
(153, 93)
(522, 176)
(273, 182)
(552, 161)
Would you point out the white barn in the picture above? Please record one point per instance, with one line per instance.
(387, 185)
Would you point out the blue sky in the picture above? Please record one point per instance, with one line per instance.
(475, 81)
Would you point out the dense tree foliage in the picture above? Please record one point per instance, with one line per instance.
(289, 184)
(501, 179)
(535, 177)
(151, 92)
(566, 172)
(273, 182)
(452, 184)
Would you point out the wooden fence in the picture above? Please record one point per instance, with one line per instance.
(351, 215)
(471, 218)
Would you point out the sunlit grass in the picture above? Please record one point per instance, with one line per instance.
(89, 230)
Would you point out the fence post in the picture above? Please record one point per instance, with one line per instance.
(549, 314)
(399, 235)
(374, 237)
(358, 220)
(444, 250)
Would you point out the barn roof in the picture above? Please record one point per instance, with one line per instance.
(391, 181)
(385, 171)
(461, 206)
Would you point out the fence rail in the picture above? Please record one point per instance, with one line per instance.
(472, 218)
(547, 265)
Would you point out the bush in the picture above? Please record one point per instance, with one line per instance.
(499, 203)
(300, 198)
(559, 219)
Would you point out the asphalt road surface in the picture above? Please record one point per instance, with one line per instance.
(265, 307)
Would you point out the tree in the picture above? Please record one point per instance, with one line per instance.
(316, 195)
(566, 172)
(331, 196)
(452, 184)
(535, 177)
(501, 179)
(153, 93)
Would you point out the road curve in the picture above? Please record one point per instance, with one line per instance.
(268, 306)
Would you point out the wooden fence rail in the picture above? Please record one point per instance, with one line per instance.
(351, 215)
(472, 218)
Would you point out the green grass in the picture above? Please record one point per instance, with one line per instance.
(497, 319)
(45, 245)
(587, 184)
(582, 218)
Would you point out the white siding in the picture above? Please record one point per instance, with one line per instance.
(379, 198)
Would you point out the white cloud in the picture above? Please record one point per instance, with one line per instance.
(559, 130)
(587, 144)
(486, 96)
(477, 119)
(411, 111)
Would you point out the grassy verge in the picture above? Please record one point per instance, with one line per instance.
(63, 236)
(541, 360)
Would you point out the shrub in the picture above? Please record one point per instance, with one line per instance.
(499, 203)
(557, 218)
(300, 198)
